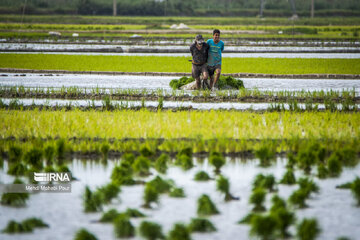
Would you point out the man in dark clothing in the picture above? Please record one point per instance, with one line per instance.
(199, 51)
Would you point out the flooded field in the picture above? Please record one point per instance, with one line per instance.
(68, 216)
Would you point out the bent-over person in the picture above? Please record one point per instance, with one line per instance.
(199, 51)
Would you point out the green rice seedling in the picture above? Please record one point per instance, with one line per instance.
(144, 151)
(277, 203)
(161, 185)
(298, 198)
(160, 103)
(202, 176)
(15, 154)
(15, 227)
(257, 198)
(246, 219)
(109, 216)
(150, 195)
(122, 175)
(108, 192)
(263, 226)
(223, 185)
(17, 169)
(187, 151)
(355, 189)
(34, 158)
(107, 104)
(161, 163)
(308, 185)
(179, 232)
(265, 155)
(206, 206)
(34, 223)
(123, 227)
(105, 147)
(288, 178)
(347, 155)
(151, 230)
(330, 105)
(134, 213)
(322, 171)
(334, 166)
(1, 161)
(83, 234)
(306, 158)
(284, 219)
(177, 83)
(15, 199)
(186, 162)
(345, 185)
(266, 182)
(128, 158)
(308, 229)
(49, 153)
(217, 160)
(92, 201)
(60, 150)
(141, 166)
(201, 225)
(177, 193)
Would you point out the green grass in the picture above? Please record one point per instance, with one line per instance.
(177, 64)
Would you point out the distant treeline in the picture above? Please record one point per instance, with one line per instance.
(273, 8)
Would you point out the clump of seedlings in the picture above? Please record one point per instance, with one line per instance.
(141, 166)
(49, 154)
(105, 147)
(265, 154)
(92, 201)
(355, 189)
(83, 234)
(134, 213)
(108, 192)
(289, 177)
(161, 163)
(308, 229)
(144, 151)
(179, 232)
(263, 226)
(161, 185)
(109, 216)
(267, 182)
(322, 171)
(202, 176)
(282, 215)
(206, 206)
(15, 154)
(223, 185)
(299, 197)
(184, 158)
(15, 199)
(334, 165)
(217, 160)
(27, 225)
(151, 230)
(60, 150)
(34, 158)
(17, 169)
(123, 227)
(151, 195)
(201, 225)
(177, 193)
(257, 198)
(122, 175)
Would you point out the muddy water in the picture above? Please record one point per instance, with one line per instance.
(149, 82)
(333, 208)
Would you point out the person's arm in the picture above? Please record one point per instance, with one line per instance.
(222, 47)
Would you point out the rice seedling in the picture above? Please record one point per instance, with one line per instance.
(161, 185)
(108, 192)
(201, 225)
(151, 195)
(257, 198)
(179, 232)
(134, 213)
(49, 154)
(263, 226)
(355, 189)
(123, 227)
(15, 227)
(298, 198)
(151, 230)
(15, 199)
(223, 185)
(122, 175)
(288, 178)
(347, 156)
(306, 158)
(266, 182)
(35, 223)
(34, 158)
(202, 176)
(160, 103)
(283, 216)
(141, 166)
(60, 150)
(265, 154)
(105, 150)
(15, 154)
(308, 229)
(185, 161)
(217, 160)
(246, 219)
(109, 216)
(161, 163)
(144, 151)
(322, 171)
(309, 185)
(92, 201)
(334, 166)
(83, 234)
(206, 206)
(17, 169)
(177, 193)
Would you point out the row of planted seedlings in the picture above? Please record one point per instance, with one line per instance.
(134, 167)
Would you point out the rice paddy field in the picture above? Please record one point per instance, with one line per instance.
(276, 157)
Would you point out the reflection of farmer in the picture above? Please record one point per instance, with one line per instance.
(216, 46)
(199, 51)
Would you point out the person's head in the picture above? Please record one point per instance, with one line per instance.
(216, 35)
(199, 39)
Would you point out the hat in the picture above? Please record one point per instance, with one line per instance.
(199, 39)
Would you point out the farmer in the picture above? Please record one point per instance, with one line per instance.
(199, 51)
(214, 58)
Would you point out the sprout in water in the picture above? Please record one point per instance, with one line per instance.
(206, 206)
(92, 201)
(161, 185)
(263, 226)
(257, 198)
(49, 154)
(150, 195)
(108, 192)
(283, 216)
(123, 227)
(265, 154)
(144, 151)
(308, 185)
(151, 231)
(179, 232)
(34, 158)
(105, 150)
(298, 198)
(109, 216)
(289, 177)
(15, 154)
(266, 182)
(201, 225)
(142, 166)
(247, 219)
(223, 185)
(83, 234)
(122, 175)
(201, 176)
(17, 169)
(15, 199)
(25, 226)
(35, 223)
(217, 160)
(161, 163)
(177, 193)
(334, 166)
(322, 171)
(355, 189)
(134, 213)
(308, 229)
